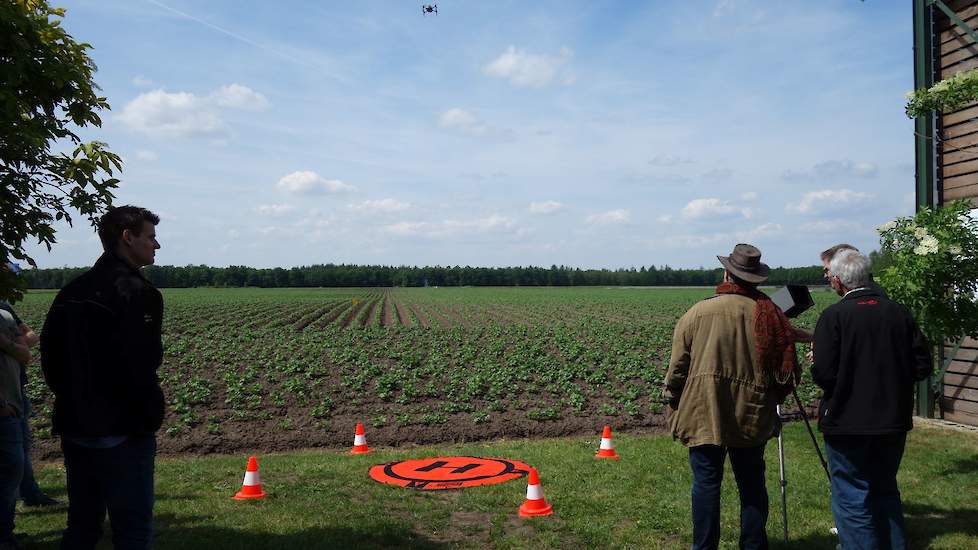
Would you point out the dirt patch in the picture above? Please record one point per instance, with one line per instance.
(330, 317)
(421, 317)
(387, 316)
(402, 314)
(368, 315)
(439, 318)
(352, 313)
(306, 321)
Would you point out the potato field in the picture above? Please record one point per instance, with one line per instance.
(275, 369)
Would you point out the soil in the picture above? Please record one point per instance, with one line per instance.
(402, 314)
(438, 316)
(387, 318)
(421, 317)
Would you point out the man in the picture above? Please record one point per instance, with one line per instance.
(830, 252)
(100, 349)
(13, 352)
(733, 361)
(868, 354)
(29, 490)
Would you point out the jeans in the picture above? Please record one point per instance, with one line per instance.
(11, 469)
(706, 462)
(865, 498)
(29, 491)
(118, 479)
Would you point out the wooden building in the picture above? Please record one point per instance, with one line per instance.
(945, 44)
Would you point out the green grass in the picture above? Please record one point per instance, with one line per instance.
(324, 499)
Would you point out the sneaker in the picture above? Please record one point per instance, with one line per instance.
(42, 500)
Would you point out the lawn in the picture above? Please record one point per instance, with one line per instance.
(324, 498)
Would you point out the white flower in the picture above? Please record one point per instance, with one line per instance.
(921, 251)
(920, 232)
(964, 219)
(910, 94)
(955, 250)
(886, 227)
(940, 86)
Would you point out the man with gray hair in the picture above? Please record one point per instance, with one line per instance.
(869, 352)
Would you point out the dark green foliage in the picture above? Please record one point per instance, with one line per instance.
(46, 93)
(331, 275)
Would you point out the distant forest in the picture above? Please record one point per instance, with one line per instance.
(331, 275)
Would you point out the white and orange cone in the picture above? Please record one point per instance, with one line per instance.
(535, 504)
(359, 441)
(251, 486)
(607, 450)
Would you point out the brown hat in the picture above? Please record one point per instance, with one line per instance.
(745, 263)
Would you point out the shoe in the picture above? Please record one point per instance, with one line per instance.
(42, 500)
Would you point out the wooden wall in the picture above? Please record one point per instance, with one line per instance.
(957, 162)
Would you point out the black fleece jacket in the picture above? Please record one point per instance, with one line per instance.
(100, 349)
(869, 351)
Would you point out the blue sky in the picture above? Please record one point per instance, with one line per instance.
(591, 134)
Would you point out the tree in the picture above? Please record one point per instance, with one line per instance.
(47, 94)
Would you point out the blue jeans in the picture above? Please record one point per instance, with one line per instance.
(11, 469)
(865, 498)
(118, 479)
(29, 491)
(706, 462)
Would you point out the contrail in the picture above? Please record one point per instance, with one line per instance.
(244, 39)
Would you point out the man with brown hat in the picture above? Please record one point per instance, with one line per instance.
(733, 361)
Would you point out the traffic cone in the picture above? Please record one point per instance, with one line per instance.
(359, 441)
(251, 486)
(607, 450)
(535, 504)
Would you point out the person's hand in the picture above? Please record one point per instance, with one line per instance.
(802, 335)
(810, 355)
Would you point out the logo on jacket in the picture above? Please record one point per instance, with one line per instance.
(867, 303)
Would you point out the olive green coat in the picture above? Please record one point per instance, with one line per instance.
(717, 393)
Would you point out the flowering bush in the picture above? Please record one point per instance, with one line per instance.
(949, 94)
(934, 269)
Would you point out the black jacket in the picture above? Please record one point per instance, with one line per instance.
(100, 348)
(868, 354)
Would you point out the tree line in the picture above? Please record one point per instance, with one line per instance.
(343, 275)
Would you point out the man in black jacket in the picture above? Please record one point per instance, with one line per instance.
(869, 352)
(100, 349)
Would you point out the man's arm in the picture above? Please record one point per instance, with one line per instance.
(825, 368)
(31, 338)
(922, 361)
(15, 349)
(679, 362)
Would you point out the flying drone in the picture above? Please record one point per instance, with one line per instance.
(429, 8)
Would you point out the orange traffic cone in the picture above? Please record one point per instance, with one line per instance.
(359, 441)
(535, 504)
(607, 450)
(251, 487)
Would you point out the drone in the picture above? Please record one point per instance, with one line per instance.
(429, 8)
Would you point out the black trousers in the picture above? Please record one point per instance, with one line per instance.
(118, 480)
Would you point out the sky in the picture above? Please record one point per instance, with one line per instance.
(596, 134)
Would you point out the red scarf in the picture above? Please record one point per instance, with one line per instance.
(773, 336)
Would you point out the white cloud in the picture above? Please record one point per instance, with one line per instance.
(612, 216)
(450, 228)
(724, 8)
(749, 196)
(183, 114)
(669, 160)
(545, 207)
(178, 114)
(275, 210)
(462, 120)
(381, 205)
(834, 226)
(834, 170)
(141, 82)
(308, 182)
(236, 96)
(712, 208)
(815, 201)
(524, 69)
(759, 232)
(718, 174)
(147, 155)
